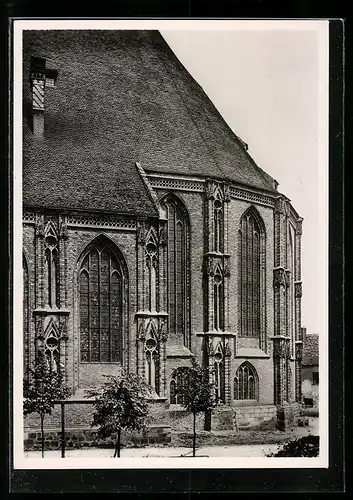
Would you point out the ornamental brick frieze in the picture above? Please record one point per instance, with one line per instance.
(174, 184)
(279, 277)
(257, 198)
(298, 289)
(192, 185)
(29, 217)
(100, 221)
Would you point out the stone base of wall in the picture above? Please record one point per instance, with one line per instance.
(288, 416)
(259, 416)
(225, 418)
(85, 438)
(162, 421)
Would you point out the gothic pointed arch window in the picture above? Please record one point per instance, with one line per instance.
(52, 349)
(290, 289)
(178, 268)
(152, 359)
(219, 374)
(102, 303)
(218, 218)
(25, 316)
(218, 298)
(152, 266)
(252, 247)
(176, 381)
(246, 382)
(51, 258)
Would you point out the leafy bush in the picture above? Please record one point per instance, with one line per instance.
(307, 446)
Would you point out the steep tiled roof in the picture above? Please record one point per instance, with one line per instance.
(121, 97)
(311, 349)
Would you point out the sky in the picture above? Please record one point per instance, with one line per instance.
(270, 87)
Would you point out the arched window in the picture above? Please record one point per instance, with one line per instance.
(25, 317)
(218, 298)
(178, 269)
(152, 360)
(102, 293)
(152, 265)
(219, 375)
(52, 349)
(251, 267)
(290, 291)
(218, 223)
(246, 382)
(176, 380)
(50, 267)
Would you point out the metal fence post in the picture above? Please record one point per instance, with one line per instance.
(63, 430)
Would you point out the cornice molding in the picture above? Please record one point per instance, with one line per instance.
(192, 184)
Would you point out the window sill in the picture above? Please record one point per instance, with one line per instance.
(245, 402)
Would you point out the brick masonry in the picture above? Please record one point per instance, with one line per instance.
(81, 376)
(84, 438)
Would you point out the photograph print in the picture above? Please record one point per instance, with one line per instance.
(170, 244)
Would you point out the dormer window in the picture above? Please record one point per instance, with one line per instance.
(40, 77)
(51, 76)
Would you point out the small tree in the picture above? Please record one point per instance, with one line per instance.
(195, 391)
(41, 388)
(121, 404)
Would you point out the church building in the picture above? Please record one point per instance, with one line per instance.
(150, 235)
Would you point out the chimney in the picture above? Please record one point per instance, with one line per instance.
(38, 91)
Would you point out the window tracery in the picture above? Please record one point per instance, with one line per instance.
(251, 237)
(102, 295)
(51, 261)
(245, 382)
(177, 268)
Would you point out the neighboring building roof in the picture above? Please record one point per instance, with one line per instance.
(310, 350)
(121, 97)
